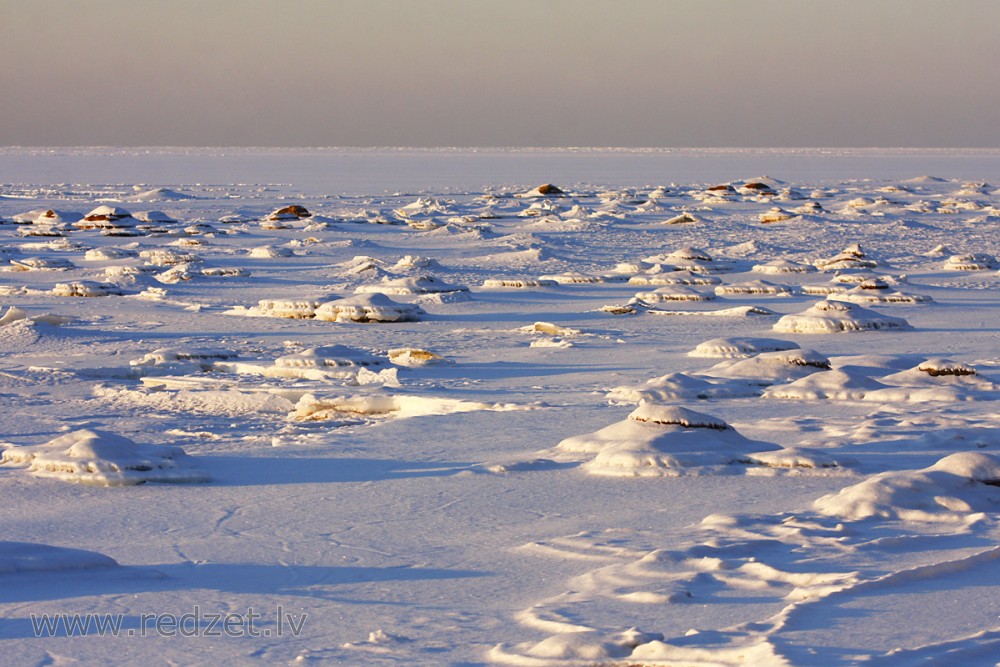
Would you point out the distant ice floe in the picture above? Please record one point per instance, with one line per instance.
(954, 489)
(658, 440)
(104, 459)
(678, 387)
(837, 317)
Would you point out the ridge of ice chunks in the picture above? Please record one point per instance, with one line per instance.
(958, 488)
(872, 294)
(678, 277)
(174, 358)
(40, 264)
(573, 278)
(658, 440)
(374, 307)
(838, 317)
(753, 288)
(420, 284)
(86, 288)
(100, 458)
(517, 283)
(675, 293)
(970, 262)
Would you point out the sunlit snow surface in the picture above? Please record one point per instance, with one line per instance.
(700, 407)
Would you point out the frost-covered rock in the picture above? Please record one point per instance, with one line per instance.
(105, 459)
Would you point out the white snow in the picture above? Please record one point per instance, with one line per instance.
(435, 442)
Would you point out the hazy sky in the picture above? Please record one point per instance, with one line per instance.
(500, 72)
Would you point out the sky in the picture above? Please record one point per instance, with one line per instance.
(668, 73)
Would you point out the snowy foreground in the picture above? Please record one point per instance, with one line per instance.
(423, 407)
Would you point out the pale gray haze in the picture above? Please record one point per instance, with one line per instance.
(500, 72)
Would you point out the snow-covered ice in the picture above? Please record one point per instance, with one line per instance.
(429, 411)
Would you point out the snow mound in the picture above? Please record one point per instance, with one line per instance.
(373, 307)
(517, 283)
(770, 368)
(836, 317)
(158, 194)
(18, 557)
(729, 348)
(674, 387)
(104, 459)
(952, 490)
(424, 284)
(660, 440)
(778, 266)
(834, 385)
(800, 457)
